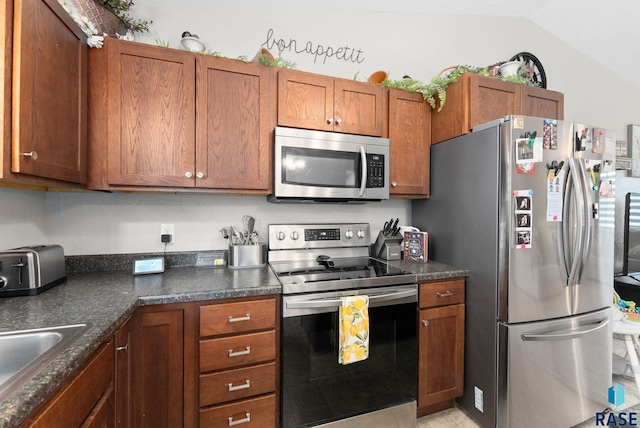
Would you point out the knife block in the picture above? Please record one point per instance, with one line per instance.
(387, 248)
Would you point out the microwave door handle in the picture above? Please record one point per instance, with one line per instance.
(363, 178)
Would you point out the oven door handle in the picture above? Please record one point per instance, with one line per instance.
(329, 302)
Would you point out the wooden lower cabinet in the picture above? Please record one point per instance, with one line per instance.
(206, 364)
(238, 363)
(87, 401)
(440, 345)
(162, 388)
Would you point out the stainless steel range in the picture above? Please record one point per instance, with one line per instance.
(318, 265)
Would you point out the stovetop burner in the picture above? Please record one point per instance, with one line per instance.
(312, 258)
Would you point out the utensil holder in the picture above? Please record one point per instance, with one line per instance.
(247, 256)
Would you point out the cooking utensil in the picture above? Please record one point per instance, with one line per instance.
(249, 223)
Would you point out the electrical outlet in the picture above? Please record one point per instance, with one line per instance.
(478, 399)
(168, 229)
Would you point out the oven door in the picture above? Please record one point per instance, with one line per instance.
(316, 389)
(321, 165)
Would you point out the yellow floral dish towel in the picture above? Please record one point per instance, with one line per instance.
(354, 329)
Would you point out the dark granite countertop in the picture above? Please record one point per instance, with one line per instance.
(431, 270)
(106, 299)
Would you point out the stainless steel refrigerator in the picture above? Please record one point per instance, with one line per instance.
(526, 204)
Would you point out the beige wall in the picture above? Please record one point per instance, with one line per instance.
(399, 43)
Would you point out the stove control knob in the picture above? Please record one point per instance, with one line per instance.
(280, 236)
(348, 234)
(294, 235)
(360, 234)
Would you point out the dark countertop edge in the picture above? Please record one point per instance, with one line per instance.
(17, 407)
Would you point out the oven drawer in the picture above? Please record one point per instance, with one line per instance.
(225, 318)
(254, 413)
(441, 293)
(237, 384)
(235, 351)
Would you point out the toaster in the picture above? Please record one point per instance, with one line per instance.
(27, 271)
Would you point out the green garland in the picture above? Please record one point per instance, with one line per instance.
(435, 92)
(120, 9)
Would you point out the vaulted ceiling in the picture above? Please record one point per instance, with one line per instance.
(606, 31)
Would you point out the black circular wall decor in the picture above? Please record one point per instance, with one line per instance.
(530, 60)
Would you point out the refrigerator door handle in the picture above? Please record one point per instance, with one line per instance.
(587, 230)
(579, 210)
(562, 232)
(567, 334)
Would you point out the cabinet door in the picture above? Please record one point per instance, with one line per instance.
(491, 99)
(441, 351)
(233, 139)
(151, 115)
(542, 103)
(123, 373)
(410, 144)
(49, 93)
(305, 100)
(158, 368)
(358, 108)
(87, 398)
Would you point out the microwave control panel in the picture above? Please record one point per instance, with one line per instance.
(375, 170)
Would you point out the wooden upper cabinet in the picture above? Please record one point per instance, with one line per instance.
(313, 101)
(542, 103)
(410, 144)
(143, 116)
(50, 66)
(166, 118)
(473, 100)
(234, 124)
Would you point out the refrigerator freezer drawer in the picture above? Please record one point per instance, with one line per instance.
(554, 373)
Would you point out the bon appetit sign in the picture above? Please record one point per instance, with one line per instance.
(318, 51)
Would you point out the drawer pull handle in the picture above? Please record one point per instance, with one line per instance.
(426, 323)
(247, 418)
(447, 294)
(245, 385)
(123, 348)
(247, 317)
(246, 351)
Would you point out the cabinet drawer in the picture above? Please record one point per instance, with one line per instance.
(235, 351)
(237, 384)
(237, 317)
(441, 293)
(255, 413)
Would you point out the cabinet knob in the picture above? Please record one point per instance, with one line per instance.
(32, 154)
(200, 175)
(338, 121)
(394, 184)
(188, 174)
(330, 120)
(425, 322)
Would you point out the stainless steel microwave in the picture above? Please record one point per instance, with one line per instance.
(317, 166)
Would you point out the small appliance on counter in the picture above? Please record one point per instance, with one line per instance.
(27, 271)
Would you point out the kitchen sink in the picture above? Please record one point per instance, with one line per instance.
(24, 352)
